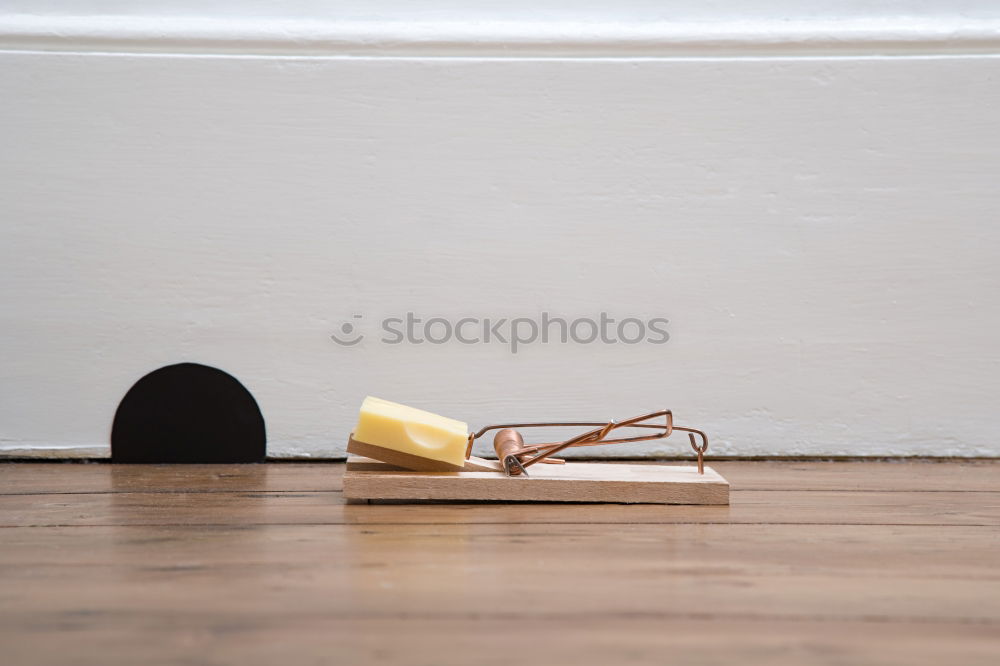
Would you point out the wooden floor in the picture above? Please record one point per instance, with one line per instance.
(831, 563)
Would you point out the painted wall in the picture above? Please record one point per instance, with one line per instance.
(811, 202)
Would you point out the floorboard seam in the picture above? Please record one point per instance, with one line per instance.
(518, 522)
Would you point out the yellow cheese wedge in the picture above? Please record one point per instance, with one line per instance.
(412, 432)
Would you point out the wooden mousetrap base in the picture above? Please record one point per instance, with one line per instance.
(366, 479)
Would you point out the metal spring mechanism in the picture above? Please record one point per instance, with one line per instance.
(516, 456)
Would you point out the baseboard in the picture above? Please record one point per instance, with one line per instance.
(807, 195)
(391, 29)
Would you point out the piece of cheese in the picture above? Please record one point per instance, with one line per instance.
(412, 431)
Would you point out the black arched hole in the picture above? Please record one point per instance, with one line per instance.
(188, 413)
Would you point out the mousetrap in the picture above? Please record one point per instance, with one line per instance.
(401, 454)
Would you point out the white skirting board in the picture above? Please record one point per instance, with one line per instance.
(810, 200)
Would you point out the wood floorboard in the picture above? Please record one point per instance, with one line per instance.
(329, 508)
(828, 563)
(862, 571)
(169, 640)
(905, 476)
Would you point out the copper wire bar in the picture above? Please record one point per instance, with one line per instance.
(533, 453)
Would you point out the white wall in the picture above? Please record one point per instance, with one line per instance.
(812, 202)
